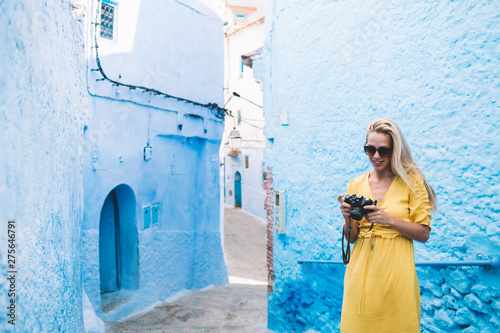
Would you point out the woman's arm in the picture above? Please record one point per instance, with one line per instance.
(416, 231)
(345, 209)
(354, 229)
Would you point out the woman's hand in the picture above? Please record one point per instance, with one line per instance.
(411, 230)
(345, 208)
(378, 216)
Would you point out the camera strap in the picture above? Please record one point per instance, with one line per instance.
(371, 227)
(346, 254)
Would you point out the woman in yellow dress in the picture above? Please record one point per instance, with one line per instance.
(381, 292)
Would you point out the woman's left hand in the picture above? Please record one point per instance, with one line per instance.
(378, 216)
(411, 230)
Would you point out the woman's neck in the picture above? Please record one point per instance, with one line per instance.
(382, 174)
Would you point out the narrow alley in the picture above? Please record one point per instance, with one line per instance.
(240, 306)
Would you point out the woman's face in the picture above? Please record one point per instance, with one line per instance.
(379, 140)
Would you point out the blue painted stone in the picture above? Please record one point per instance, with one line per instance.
(456, 294)
(446, 288)
(442, 319)
(489, 330)
(435, 290)
(464, 316)
(426, 304)
(451, 302)
(321, 322)
(474, 303)
(495, 305)
(485, 293)
(495, 320)
(460, 281)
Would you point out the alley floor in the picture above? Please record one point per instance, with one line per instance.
(240, 306)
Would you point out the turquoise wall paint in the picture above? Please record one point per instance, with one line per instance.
(432, 66)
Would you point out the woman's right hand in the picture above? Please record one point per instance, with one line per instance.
(345, 208)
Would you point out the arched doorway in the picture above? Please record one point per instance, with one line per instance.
(118, 241)
(237, 189)
(109, 244)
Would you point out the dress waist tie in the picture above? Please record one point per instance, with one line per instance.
(391, 233)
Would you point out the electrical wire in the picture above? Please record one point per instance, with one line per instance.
(229, 114)
(252, 124)
(216, 110)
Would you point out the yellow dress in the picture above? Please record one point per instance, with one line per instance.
(381, 292)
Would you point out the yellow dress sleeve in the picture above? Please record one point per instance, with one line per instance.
(420, 207)
(350, 187)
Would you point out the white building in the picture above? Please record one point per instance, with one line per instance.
(243, 175)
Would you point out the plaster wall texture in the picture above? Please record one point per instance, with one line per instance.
(42, 103)
(178, 49)
(240, 79)
(432, 66)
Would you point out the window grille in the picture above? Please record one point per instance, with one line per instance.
(107, 20)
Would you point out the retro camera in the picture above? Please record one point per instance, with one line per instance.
(358, 203)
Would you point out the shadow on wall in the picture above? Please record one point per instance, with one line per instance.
(118, 241)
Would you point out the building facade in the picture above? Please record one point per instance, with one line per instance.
(433, 68)
(151, 224)
(243, 165)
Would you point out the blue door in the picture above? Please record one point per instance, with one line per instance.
(108, 245)
(237, 189)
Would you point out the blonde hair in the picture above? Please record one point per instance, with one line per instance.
(402, 163)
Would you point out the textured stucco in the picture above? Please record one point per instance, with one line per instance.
(176, 49)
(432, 66)
(42, 101)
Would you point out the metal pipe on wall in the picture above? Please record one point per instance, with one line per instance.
(494, 262)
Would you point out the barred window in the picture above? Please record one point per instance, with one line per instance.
(107, 20)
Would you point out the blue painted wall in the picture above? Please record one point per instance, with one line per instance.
(42, 102)
(432, 66)
(178, 49)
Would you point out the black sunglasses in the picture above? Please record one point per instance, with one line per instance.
(382, 151)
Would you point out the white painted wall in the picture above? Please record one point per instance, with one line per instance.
(240, 79)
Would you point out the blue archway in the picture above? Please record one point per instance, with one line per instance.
(237, 189)
(118, 241)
